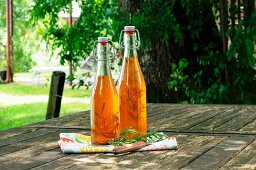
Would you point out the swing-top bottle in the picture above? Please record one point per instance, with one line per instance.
(104, 98)
(132, 88)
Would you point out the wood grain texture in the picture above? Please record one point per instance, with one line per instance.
(209, 137)
(245, 116)
(32, 133)
(218, 120)
(246, 159)
(219, 155)
(250, 127)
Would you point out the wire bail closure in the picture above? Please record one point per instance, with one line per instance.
(121, 43)
(94, 52)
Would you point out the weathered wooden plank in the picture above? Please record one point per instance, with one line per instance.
(131, 160)
(81, 119)
(15, 147)
(78, 119)
(29, 148)
(69, 161)
(219, 119)
(166, 109)
(26, 150)
(185, 118)
(39, 159)
(151, 158)
(244, 160)
(247, 114)
(222, 153)
(25, 136)
(157, 159)
(14, 132)
(166, 113)
(192, 151)
(250, 127)
(201, 117)
(206, 142)
(74, 160)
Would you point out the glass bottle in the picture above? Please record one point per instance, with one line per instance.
(132, 87)
(104, 98)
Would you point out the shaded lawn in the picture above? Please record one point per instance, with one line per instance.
(18, 115)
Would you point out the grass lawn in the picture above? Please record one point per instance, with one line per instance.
(14, 115)
(19, 89)
(18, 115)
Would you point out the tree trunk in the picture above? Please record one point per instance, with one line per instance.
(223, 31)
(8, 44)
(70, 63)
(158, 69)
(239, 10)
(249, 7)
(233, 10)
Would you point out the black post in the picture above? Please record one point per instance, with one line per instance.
(55, 95)
(2, 75)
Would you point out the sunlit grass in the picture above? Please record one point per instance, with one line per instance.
(18, 115)
(15, 115)
(18, 89)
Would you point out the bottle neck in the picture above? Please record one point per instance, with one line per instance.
(103, 66)
(130, 45)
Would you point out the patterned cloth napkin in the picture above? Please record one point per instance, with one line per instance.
(78, 143)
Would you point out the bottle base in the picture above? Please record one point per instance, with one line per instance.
(101, 138)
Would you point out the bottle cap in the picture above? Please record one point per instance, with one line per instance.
(103, 39)
(129, 28)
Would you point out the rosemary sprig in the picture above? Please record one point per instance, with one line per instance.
(129, 135)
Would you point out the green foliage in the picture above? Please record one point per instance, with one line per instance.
(75, 42)
(179, 38)
(216, 76)
(23, 36)
(179, 80)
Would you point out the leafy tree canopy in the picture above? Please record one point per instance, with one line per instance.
(192, 51)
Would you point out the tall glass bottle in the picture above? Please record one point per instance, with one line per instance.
(132, 88)
(104, 98)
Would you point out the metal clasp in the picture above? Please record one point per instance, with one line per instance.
(112, 55)
(121, 43)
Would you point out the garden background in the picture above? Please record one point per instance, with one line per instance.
(200, 51)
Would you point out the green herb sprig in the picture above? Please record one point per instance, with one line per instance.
(130, 135)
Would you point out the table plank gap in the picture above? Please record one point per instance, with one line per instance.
(159, 160)
(222, 153)
(201, 119)
(14, 132)
(246, 159)
(181, 120)
(218, 120)
(237, 122)
(35, 132)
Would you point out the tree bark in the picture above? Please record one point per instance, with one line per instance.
(8, 44)
(223, 31)
(70, 25)
(249, 7)
(239, 10)
(233, 10)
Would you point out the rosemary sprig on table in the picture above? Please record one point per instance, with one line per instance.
(129, 135)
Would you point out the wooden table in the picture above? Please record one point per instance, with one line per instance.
(209, 137)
